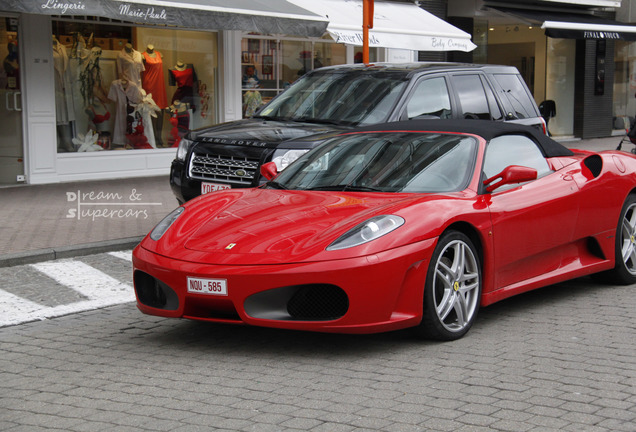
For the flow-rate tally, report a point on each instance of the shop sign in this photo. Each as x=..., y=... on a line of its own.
x=354, y=38
x=127, y=10
x=62, y=7
x=601, y=35
x=450, y=44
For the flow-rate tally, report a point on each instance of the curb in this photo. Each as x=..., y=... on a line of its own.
x=48, y=254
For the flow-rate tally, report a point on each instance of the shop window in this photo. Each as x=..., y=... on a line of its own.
x=624, y=89
x=357, y=54
x=123, y=88
x=269, y=66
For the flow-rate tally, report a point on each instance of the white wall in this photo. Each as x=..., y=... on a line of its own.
x=38, y=99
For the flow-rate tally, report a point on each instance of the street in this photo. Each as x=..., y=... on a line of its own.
x=560, y=358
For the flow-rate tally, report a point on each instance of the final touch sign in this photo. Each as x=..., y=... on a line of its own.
x=608, y=30
x=601, y=35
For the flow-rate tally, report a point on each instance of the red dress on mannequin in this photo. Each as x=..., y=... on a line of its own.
x=185, y=81
x=153, y=80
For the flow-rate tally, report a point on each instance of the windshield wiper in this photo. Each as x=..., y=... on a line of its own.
x=275, y=185
x=271, y=118
x=344, y=187
x=318, y=121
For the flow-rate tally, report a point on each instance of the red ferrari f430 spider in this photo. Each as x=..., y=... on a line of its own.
x=409, y=224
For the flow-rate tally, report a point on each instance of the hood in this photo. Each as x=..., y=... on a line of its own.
x=252, y=131
x=267, y=226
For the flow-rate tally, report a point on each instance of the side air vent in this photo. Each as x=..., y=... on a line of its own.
x=595, y=164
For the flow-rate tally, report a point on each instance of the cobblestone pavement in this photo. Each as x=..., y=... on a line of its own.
x=561, y=358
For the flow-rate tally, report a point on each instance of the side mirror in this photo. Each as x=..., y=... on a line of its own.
x=510, y=175
x=269, y=170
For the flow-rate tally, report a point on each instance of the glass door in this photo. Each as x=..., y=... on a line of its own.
x=11, y=147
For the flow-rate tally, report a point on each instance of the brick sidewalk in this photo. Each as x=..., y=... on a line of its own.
x=66, y=216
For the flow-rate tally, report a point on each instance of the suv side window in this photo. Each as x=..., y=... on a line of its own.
x=515, y=93
x=495, y=110
x=430, y=98
x=472, y=97
x=507, y=150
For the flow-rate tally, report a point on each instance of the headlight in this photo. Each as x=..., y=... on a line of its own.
x=163, y=226
x=367, y=231
x=283, y=157
x=182, y=150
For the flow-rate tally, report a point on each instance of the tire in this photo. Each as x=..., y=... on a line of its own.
x=453, y=288
x=624, y=272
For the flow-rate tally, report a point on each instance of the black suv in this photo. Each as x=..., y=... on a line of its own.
x=332, y=99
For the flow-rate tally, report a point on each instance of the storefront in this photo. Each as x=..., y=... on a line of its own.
x=270, y=64
x=98, y=89
x=565, y=52
x=104, y=89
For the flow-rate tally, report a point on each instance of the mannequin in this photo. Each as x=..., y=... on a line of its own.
x=64, y=106
x=184, y=77
x=147, y=109
x=180, y=113
x=252, y=99
x=153, y=82
x=130, y=64
x=125, y=94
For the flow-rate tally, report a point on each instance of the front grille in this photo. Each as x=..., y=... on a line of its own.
x=318, y=302
x=226, y=169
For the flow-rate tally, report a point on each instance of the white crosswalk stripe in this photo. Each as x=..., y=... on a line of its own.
x=125, y=255
x=13, y=309
x=100, y=290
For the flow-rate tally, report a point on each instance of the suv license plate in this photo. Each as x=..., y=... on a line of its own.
x=207, y=286
x=211, y=187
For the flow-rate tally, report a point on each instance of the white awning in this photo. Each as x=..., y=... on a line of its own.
x=395, y=25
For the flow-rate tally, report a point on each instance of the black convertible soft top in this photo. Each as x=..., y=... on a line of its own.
x=486, y=129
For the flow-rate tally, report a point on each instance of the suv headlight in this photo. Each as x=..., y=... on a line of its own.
x=182, y=150
x=367, y=231
x=283, y=157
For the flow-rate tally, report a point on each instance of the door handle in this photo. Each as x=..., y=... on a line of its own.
x=16, y=96
x=6, y=101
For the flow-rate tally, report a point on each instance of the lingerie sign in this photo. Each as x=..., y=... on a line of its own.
x=62, y=7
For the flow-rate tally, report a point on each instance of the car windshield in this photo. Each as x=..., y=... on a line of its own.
x=385, y=162
x=333, y=97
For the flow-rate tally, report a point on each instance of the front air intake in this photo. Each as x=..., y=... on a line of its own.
x=153, y=293
x=311, y=302
x=319, y=302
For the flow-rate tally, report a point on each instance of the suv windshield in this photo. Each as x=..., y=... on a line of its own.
x=339, y=97
x=384, y=162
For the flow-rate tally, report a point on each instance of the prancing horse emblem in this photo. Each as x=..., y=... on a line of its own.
x=230, y=246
